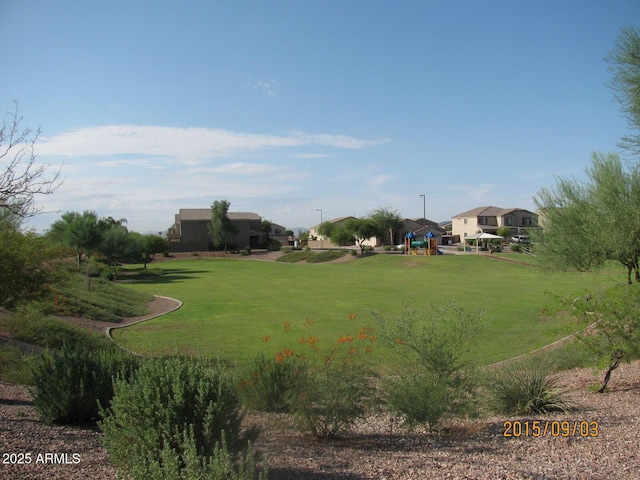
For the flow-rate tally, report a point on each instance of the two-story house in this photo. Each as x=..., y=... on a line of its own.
x=190, y=232
x=489, y=219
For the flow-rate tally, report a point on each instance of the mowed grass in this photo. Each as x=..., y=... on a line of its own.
x=230, y=306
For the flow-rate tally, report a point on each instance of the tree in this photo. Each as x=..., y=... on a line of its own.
x=504, y=232
x=29, y=265
x=80, y=231
x=221, y=229
x=612, y=321
x=624, y=65
x=144, y=248
x=115, y=245
x=361, y=229
x=387, y=221
x=22, y=178
x=341, y=236
x=586, y=224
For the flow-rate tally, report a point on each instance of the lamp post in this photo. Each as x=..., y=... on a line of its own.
x=320, y=210
x=424, y=213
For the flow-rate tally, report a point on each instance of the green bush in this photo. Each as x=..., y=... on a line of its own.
x=296, y=256
x=172, y=408
x=516, y=247
x=333, y=392
x=524, y=390
x=31, y=324
x=265, y=384
x=438, y=377
x=68, y=384
x=326, y=256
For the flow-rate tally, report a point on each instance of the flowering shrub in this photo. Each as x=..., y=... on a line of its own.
x=325, y=389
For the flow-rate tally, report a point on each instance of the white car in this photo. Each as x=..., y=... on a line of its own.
x=520, y=239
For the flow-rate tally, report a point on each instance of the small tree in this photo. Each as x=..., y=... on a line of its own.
x=79, y=231
x=388, y=221
x=504, y=232
x=613, y=326
x=361, y=229
x=221, y=229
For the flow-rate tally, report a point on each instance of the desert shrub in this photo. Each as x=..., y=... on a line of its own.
x=274, y=246
x=32, y=324
x=15, y=365
x=333, y=392
x=516, y=247
x=525, y=390
x=266, y=383
x=296, y=256
x=437, y=375
x=326, y=256
x=185, y=463
x=174, y=408
x=68, y=384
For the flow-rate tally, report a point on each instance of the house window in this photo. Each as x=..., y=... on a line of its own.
x=508, y=221
x=482, y=220
x=526, y=221
x=465, y=221
x=278, y=231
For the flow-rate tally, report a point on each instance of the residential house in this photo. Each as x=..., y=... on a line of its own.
x=190, y=232
x=489, y=219
x=320, y=241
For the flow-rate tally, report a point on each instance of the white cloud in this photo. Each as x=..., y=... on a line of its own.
x=379, y=180
x=188, y=146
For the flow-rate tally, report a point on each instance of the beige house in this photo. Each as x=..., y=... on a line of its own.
x=320, y=241
x=489, y=219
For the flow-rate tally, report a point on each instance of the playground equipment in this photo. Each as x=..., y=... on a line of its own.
x=430, y=244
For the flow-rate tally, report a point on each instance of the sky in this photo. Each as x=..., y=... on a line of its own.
x=299, y=109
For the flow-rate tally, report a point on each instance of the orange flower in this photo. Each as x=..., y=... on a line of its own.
x=351, y=316
x=266, y=338
x=302, y=341
x=287, y=326
x=346, y=339
x=313, y=340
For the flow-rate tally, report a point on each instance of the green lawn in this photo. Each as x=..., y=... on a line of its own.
x=230, y=305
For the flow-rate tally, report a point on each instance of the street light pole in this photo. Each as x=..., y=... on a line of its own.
x=424, y=213
x=320, y=210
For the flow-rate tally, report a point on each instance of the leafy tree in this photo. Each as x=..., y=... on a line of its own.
x=326, y=229
x=612, y=321
x=221, y=229
x=504, y=232
x=115, y=245
x=387, y=221
x=79, y=231
x=29, y=264
x=585, y=224
x=22, y=179
x=624, y=65
x=151, y=246
x=361, y=229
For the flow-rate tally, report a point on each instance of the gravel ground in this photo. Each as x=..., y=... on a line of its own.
x=378, y=449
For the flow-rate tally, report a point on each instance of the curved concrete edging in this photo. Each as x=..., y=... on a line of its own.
x=108, y=330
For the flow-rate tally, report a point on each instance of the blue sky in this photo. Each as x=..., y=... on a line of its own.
x=286, y=107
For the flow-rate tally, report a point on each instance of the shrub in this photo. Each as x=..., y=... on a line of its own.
x=333, y=392
x=31, y=324
x=331, y=396
x=266, y=383
x=516, y=247
x=525, y=391
x=172, y=408
x=68, y=384
x=438, y=377
x=326, y=256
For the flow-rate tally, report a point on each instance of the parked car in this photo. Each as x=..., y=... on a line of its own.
x=520, y=239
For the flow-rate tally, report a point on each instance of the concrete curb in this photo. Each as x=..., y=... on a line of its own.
x=108, y=330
